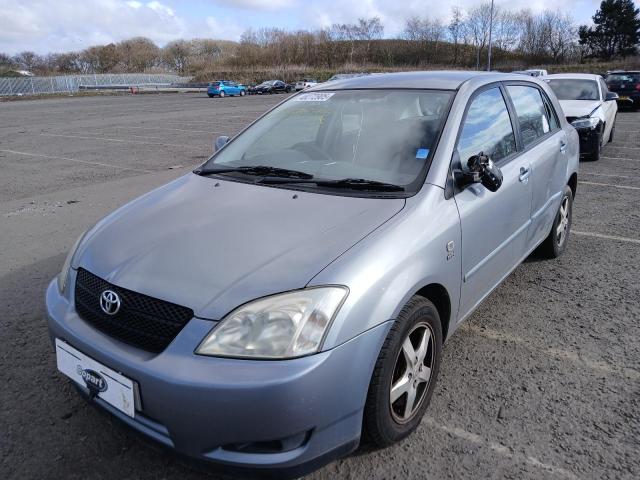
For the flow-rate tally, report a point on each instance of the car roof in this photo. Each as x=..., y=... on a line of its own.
x=438, y=80
x=575, y=76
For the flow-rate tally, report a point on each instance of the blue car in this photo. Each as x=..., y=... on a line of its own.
x=223, y=88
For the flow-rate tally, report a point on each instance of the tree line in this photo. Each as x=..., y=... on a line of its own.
x=519, y=38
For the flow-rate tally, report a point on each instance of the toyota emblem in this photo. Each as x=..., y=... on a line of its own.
x=109, y=302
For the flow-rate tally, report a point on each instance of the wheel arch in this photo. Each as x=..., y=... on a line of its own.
x=573, y=183
x=438, y=295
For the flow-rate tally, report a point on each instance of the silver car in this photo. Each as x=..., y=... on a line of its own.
x=295, y=290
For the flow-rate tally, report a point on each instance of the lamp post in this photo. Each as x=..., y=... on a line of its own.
x=490, y=35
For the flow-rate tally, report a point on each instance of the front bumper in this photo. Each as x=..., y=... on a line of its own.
x=589, y=140
x=204, y=407
x=629, y=99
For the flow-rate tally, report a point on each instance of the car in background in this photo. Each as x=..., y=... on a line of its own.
x=292, y=295
x=589, y=107
x=627, y=85
x=305, y=83
x=344, y=76
x=223, y=88
x=532, y=72
x=536, y=72
x=273, y=86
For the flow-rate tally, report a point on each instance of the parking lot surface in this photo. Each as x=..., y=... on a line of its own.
x=542, y=382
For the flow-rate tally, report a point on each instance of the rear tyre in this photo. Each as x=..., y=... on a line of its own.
x=210, y=95
x=222, y=94
x=556, y=242
x=405, y=374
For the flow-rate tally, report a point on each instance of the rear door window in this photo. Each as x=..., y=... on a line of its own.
x=531, y=111
x=487, y=128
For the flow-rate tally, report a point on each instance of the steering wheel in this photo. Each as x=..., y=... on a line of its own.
x=311, y=150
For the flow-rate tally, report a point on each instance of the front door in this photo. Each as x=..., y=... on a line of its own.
x=494, y=224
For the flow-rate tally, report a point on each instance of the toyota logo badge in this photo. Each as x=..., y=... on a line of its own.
x=109, y=302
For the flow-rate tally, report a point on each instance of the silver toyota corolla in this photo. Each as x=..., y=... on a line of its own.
x=295, y=290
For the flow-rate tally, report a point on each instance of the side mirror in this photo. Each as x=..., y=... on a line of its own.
x=481, y=169
x=611, y=96
x=220, y=142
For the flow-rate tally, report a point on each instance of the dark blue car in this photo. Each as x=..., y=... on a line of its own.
x=223, y=88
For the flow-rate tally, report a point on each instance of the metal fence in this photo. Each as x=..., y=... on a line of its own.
x=72, y=83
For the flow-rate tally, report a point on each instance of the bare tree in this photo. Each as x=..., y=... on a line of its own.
x=562, y=35
x=456, y=30
x=176, y=55
x=477, y=25
x=138, y=54
x=28, y=60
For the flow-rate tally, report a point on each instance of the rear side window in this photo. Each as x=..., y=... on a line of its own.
x=554, y=123
x=531, y=112
x=603, y=88
x=487, y=128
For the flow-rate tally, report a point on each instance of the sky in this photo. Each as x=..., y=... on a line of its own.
x=61, y=25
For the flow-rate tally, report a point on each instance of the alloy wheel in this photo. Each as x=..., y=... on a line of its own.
x=563, y=225
x=412, y=373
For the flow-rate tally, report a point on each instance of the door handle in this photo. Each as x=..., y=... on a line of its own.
x=524, y=174
x=563, y=146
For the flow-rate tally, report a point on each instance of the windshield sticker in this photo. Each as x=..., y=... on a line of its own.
x=314, y=97
x=422, y=153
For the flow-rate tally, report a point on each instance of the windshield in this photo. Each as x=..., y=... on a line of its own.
x=575, y=89
x=268, y=83
x=623, y=77
x=377, y=135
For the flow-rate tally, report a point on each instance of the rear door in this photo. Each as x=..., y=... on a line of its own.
x=543, y=147
x=494, y=224
x=610, y=109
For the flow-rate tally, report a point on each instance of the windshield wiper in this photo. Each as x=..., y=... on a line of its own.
x=259, y=170
x=361, y=184
x=349, y=183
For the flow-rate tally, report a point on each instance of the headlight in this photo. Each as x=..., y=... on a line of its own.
x=590, y=122
x=64, y=273
x=281, y=326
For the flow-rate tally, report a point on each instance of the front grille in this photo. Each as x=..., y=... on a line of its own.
x=142, y=321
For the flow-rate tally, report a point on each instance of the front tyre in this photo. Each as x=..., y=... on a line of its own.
x=242, y=93
x=556, y=241
x=405, y=373
x=596, y=149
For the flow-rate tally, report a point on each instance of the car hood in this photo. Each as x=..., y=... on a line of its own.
x=212, y=244
x=578, y=108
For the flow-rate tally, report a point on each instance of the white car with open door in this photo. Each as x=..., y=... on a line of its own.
x=589, y=106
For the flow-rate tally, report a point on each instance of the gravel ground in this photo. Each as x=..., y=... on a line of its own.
x=542, y=382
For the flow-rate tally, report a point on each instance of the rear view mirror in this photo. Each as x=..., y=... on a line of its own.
x=220, y=142
x=481, y=169
x=611, y=96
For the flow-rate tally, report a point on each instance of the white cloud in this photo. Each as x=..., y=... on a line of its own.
x=37, y=25
x=64, y=25
x=256, y=4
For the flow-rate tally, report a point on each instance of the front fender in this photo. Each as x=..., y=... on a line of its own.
x=390, y=265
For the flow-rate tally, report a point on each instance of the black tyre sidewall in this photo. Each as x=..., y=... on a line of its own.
x=379, y=425
x=597, y=146
x=559, y=249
